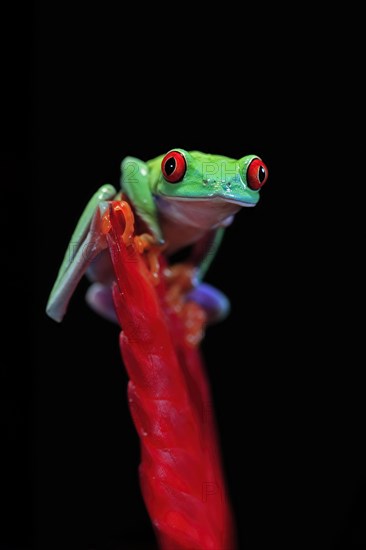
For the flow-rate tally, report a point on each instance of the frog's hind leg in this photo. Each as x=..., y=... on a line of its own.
x=215, y=304
x=99, y=298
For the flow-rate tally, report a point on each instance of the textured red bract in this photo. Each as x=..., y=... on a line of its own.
x=181, y=475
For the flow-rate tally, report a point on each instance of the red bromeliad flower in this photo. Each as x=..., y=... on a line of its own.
x=181, y=474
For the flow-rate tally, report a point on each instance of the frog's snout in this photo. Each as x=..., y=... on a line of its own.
x=231, y=189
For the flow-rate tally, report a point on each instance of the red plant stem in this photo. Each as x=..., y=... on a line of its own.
x=181, y=475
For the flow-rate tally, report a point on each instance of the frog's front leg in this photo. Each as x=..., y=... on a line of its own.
x=212, y=300
x=187, y=278
x=135, y=183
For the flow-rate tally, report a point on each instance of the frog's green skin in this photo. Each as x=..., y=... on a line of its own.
x=192, y=212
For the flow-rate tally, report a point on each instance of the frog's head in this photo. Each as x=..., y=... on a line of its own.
x=193, y=175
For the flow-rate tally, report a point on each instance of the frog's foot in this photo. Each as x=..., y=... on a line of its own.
x=180, y=278
x=184, y=288
x=100, y=299
x=215, y=304
x=147, y=245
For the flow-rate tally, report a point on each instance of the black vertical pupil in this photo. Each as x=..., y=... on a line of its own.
x=170, y=166
x=261, y=174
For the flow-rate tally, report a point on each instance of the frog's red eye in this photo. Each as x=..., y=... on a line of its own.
x=173, y=166
x=257, y=174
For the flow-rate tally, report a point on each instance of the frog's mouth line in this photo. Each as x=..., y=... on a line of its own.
x=215, y=198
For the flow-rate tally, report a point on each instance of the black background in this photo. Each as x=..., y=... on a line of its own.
x=86, y=86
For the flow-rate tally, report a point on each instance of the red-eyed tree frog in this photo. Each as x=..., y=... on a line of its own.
x=184, y=200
